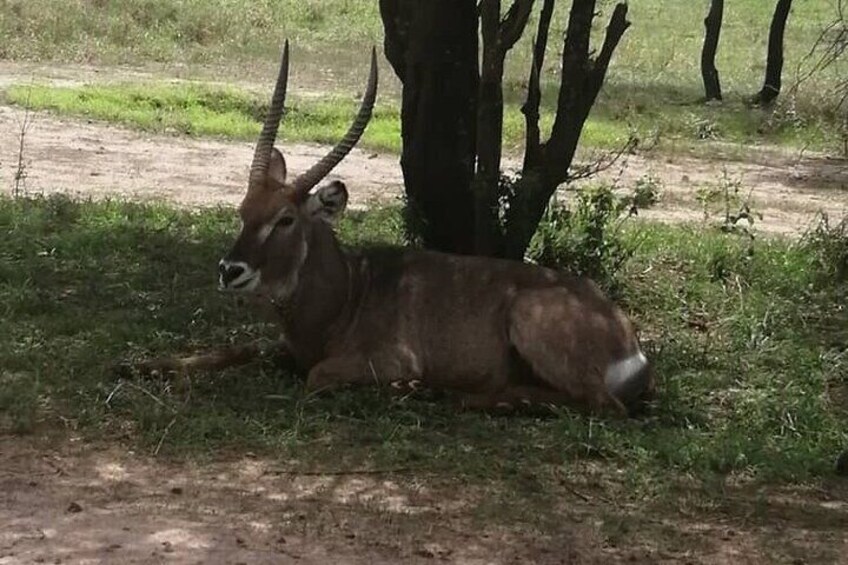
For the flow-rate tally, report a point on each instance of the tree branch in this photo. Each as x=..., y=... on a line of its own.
x=530, y=109
x=615, y=31
x=513, y=24
x=582, y=79
x=580, y=83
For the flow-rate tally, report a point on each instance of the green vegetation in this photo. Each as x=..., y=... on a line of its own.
x=199, y=31
x=652, y=90
x=197, y=110
x=744, y=335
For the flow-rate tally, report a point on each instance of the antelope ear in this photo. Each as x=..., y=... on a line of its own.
x=277, y=167
x=328, y=202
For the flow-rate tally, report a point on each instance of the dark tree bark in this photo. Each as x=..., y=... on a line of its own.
x=530, y=109
x=433, y=47
x=498, y=38
x=452, y=115
x=580, y=83
x=774, y=61
x=712, y=30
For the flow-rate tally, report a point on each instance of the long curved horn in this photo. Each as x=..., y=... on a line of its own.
x=262, y=154
x=322, y=168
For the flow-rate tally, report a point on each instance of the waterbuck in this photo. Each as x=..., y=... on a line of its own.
x=495, y=332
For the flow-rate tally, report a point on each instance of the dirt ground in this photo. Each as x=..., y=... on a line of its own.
x=93, y=159
x=70, y=502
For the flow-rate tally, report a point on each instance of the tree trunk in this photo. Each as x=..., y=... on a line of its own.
x=709, y=72
x=452, y=116
x=489, y=132
x=432, y=46
x=774, y=61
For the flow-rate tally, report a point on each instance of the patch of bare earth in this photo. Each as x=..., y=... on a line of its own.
x=89, y=159
x=69, y=502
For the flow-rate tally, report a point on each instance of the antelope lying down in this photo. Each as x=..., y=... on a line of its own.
x=497, y=332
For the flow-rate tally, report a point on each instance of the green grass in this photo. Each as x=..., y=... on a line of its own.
x=652, y=87
x=203, y=110
x=198, y=110
x=199, y=31
x=746, y=343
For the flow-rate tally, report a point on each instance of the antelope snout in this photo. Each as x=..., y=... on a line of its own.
x=236, y=275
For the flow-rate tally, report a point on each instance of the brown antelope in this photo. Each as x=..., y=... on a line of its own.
x=499, y=333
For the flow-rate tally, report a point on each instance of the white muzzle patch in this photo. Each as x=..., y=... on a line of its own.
x=237, y=276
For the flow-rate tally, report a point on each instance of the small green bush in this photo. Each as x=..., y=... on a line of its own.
x=585, y=239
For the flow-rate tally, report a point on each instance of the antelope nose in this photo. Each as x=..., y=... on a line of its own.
x=229, y=272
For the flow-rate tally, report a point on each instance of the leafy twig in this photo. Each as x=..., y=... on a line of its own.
x=20, y=171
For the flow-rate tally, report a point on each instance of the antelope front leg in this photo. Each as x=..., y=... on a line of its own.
x=213, y=360
x=357, y=370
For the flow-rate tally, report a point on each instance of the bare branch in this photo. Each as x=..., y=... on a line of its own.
x=20, y=170
x=603, y=162
x=513, y=24
x=530, y=109
x=582, y=79
x=580, y=83
x=615, y=31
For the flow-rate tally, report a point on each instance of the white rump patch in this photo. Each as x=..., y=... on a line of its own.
x=621, y=374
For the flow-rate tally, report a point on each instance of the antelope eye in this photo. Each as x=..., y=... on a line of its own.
x=285, y=221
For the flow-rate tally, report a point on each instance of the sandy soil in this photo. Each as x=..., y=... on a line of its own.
x=76, y=503
x=93, y=159
x=83, y=504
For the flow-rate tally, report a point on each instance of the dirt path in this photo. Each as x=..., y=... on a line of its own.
x=77, y=504
x=68, y=502
x=93, y=159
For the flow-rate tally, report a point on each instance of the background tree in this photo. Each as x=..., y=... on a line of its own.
x=452, y=116
x=712, y=31
x=774, y=60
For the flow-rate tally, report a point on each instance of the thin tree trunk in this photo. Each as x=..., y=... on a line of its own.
x=432, y=46
x=489, y=131
x=499, y=35
x=774, y=61
x=709, y=72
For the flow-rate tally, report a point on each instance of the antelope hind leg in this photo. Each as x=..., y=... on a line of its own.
x=538, y=328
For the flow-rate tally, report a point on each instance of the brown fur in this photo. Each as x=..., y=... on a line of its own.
x=496, y=332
